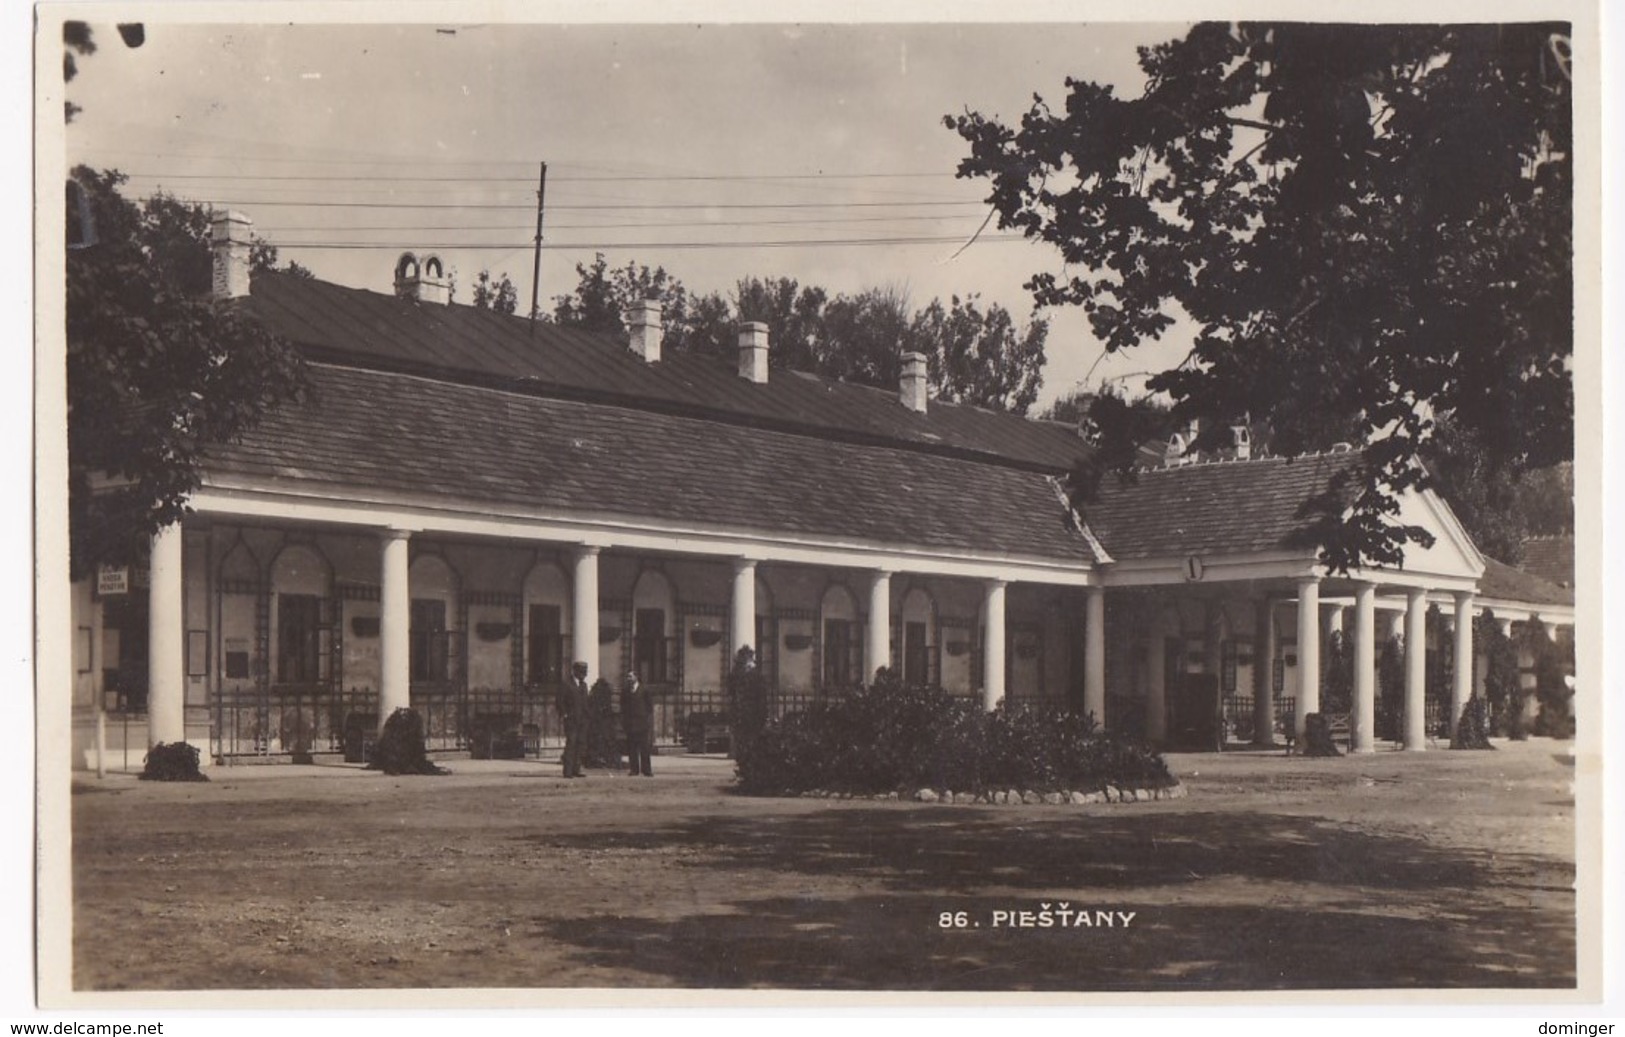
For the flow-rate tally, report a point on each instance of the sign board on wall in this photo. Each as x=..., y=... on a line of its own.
x=113, y=579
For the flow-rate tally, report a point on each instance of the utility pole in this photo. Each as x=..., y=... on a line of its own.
x=536, y=266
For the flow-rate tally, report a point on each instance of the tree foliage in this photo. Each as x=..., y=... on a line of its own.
x=158, y=370
x=1367, y=225
x=974, y=354
x=602, y=296
x=499, y=295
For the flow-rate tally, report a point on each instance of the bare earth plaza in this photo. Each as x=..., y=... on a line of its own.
x=1256, y=671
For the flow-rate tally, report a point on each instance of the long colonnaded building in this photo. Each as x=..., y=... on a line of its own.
x=463, y=503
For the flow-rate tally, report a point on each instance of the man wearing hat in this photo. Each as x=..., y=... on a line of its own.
x=573, y=708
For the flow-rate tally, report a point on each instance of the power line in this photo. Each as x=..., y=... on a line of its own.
x=396, y=228
x=720, y=177
x=586, y=246
x=617, y=207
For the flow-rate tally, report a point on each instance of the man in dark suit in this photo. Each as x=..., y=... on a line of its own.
x=573, y=709
x=638, y=720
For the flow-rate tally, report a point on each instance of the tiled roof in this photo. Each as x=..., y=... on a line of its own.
x=1219, y=508
x=460, y=342
x=1550, y=557
x=384, y=431
x=1501, y=582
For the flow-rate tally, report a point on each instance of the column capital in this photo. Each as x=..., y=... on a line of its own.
x=393, y=533
x=588, y=550
x=744, y=563
x=1308, y=581
x=1464, y=598
x=995, y=583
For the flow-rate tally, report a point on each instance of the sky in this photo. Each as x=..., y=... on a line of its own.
x=715, y=151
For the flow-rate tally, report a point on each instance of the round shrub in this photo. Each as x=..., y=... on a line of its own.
x=399, y=749
x=172, y=761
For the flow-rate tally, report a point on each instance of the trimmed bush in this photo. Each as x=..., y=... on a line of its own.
x=1317, y=736
x=1556, y=716
x=890, y=738
x=604, y=737
x=1473, y=729
x=399, y=750
x=172, y=761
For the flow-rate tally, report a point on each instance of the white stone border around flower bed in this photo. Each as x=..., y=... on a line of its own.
x=1016, y=796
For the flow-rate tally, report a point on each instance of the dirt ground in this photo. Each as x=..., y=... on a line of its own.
x=1440, y=869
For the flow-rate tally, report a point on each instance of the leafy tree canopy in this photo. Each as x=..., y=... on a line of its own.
x=499, y=295
x=975, y=354
x=1368, y=226
x=158, y=370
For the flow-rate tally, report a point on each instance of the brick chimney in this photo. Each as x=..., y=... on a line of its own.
x=232, y=235
x=1242, y=439
x=911, y=385
x=753, y=351
x=422, y=281
x=643, y=321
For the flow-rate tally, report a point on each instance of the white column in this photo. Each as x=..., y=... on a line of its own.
x=1364, y=722
x=993, y=645
x=395, y=626
x=877, y=637
x=166, y=641
x=1264, y=651
x=584, y=612
x=742, y=630
x=1094, y=653
x=1156, y=669
x=1461, y=681
x=1308, y=653
x=1416, y=647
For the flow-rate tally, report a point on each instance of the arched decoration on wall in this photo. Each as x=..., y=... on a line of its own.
x=301, y=616
x=301, y=569
x=239, y=568
x=432, y=268
x=918, y=645
x=547, y=622
x=654, y=639
x=238, y=614
x=436, y=649
x=433, y=577
x=406, y=268
x=840, y=638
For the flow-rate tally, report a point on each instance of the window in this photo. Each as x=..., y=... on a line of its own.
x=649, y=646
x=429, y=640
x=838, y=642
x=546, y=659
x=299, y=620
x=916, y=655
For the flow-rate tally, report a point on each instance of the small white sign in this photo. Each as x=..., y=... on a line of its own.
x=113, y=579
x=1194, y=569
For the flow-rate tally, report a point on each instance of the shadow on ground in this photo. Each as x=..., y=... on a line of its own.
x=1230, y=901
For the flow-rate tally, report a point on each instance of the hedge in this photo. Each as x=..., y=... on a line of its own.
x=891, y=738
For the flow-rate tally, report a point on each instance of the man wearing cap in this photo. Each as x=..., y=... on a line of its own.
x=638, y=720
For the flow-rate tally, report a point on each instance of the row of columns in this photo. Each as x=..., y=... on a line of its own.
x=166, y=631
x=1363, y=720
